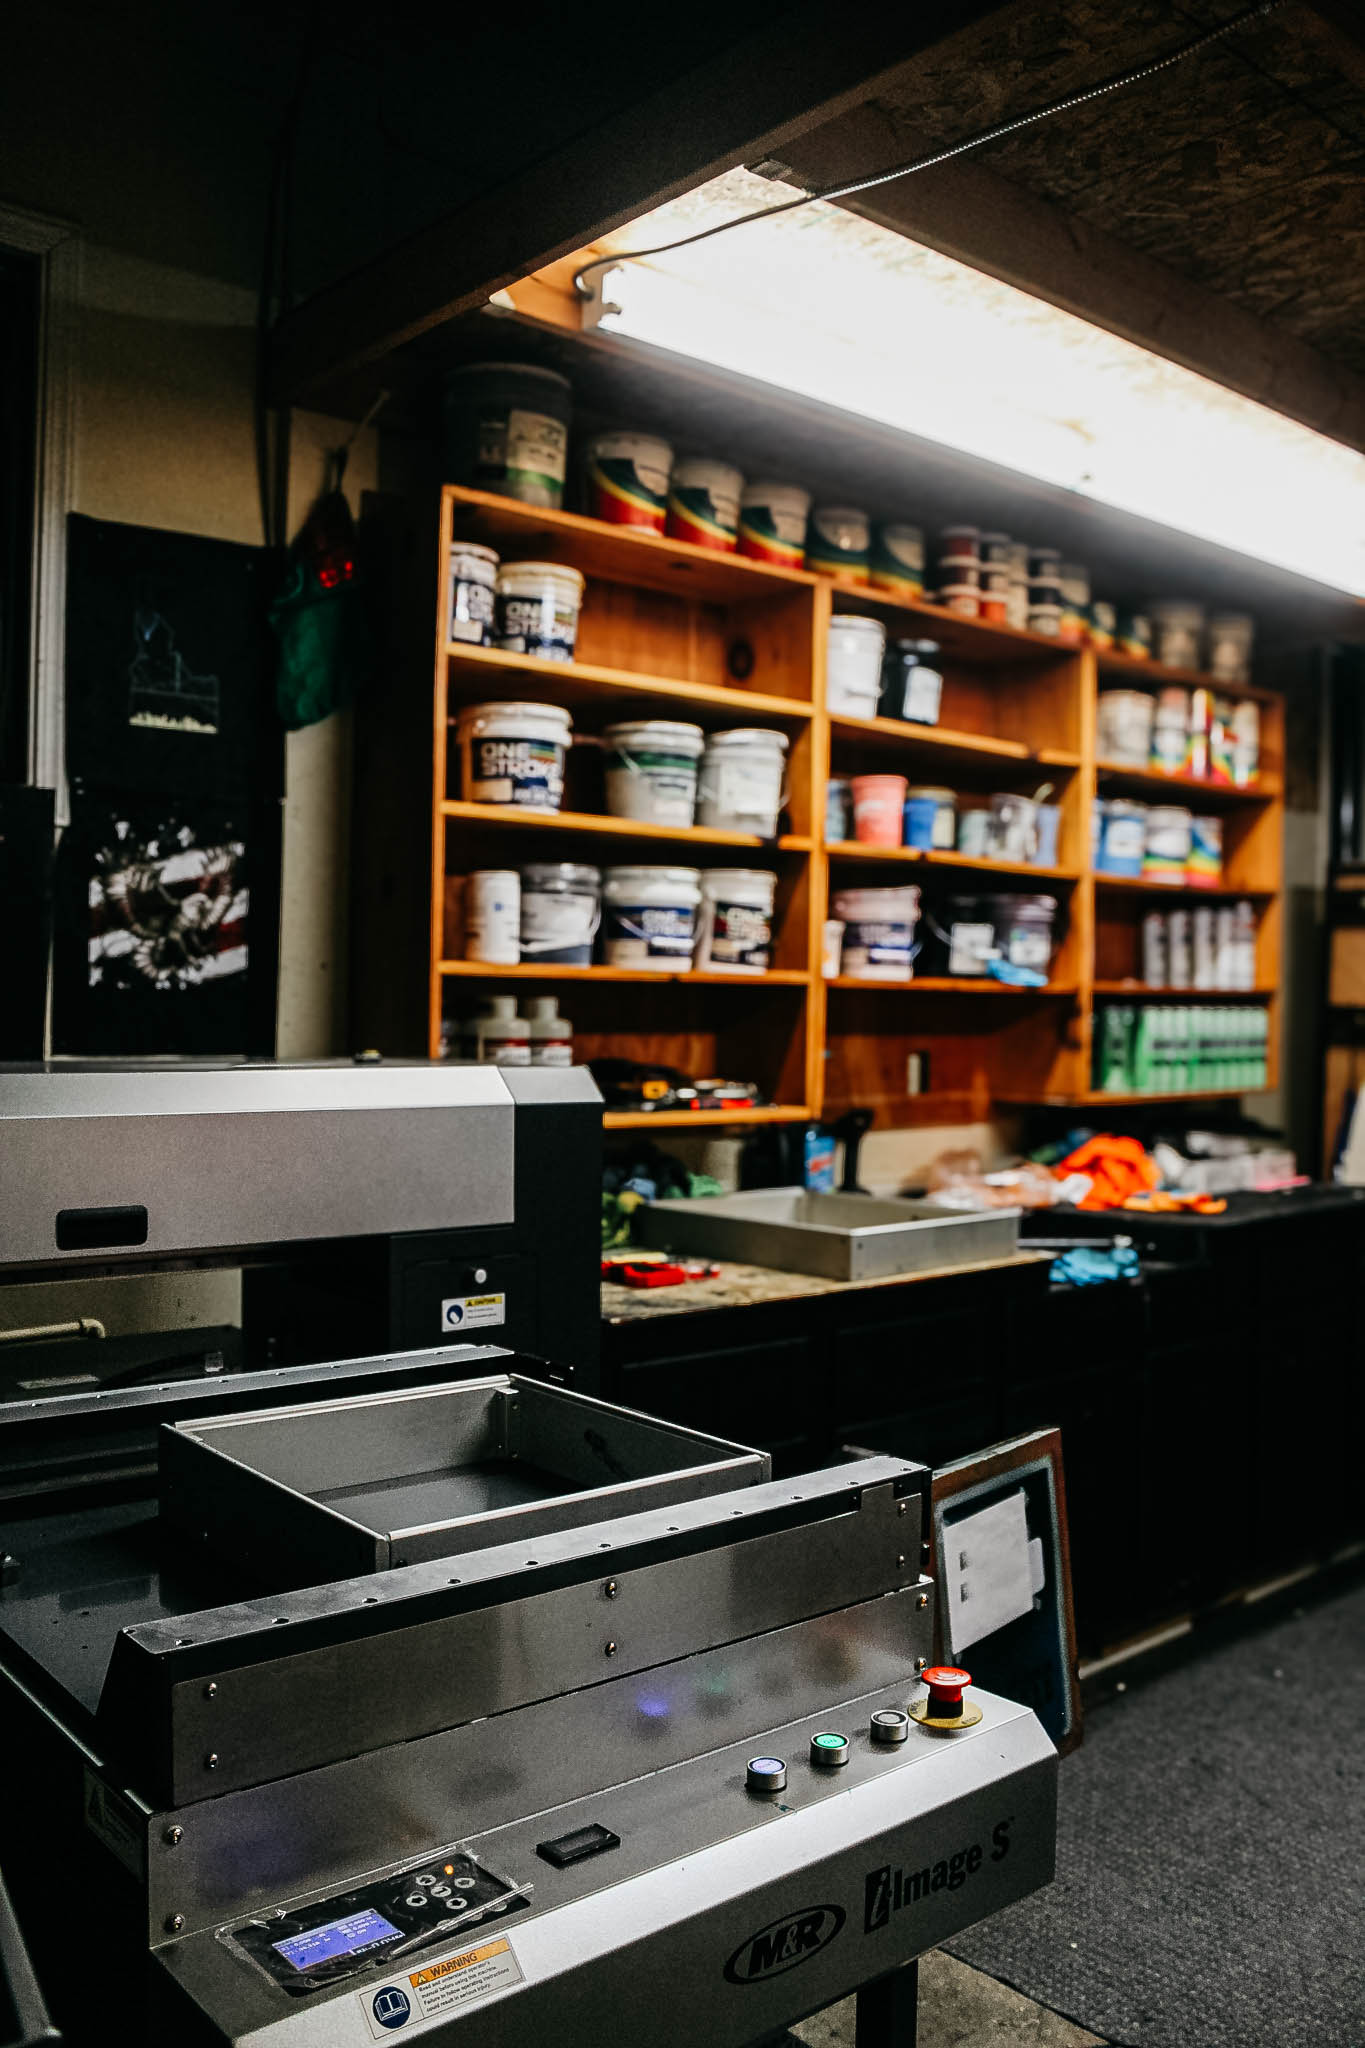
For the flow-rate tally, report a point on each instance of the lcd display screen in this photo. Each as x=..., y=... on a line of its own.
x=335, y=1938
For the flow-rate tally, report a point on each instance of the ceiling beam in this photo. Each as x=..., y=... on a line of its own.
x=1338, y=29
x=738, y=104
x=968, y=211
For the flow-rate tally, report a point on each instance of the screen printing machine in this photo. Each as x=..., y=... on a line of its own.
x=420, y=1692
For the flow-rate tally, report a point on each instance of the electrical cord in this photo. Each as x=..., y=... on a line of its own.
x=940, y=156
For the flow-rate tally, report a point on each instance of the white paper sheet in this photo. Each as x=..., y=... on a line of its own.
x=988, y=1571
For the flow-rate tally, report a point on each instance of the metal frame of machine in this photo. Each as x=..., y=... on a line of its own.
x=287, y=1754
x=420, y=1692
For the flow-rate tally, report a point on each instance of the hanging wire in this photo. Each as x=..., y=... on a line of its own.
x=941, y=156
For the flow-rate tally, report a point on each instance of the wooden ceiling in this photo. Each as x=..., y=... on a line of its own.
x=1238, y=171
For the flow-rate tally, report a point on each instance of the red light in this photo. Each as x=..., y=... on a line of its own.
x=335, y=569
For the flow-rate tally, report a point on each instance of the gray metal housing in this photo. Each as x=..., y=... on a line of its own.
x=840, y=1237
x=328, y=1489
x=231, y=1155
x=258, y=1754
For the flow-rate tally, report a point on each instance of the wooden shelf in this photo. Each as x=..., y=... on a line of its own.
x=618, y=554
x=923, y=856
x=1158, y=676
x=702, y=1119
x=948, y=985
x=663, y=628
x=514, y=816
x=970, y=748
x=1138, y=885
x=1138, y=992
x=580, y=682
x=1212, y=795
x=691, y=977
x=962, y=640
x=1117, y=1098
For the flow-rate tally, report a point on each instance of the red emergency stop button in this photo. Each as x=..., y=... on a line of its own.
x=946, y=1684
x=944, y=1708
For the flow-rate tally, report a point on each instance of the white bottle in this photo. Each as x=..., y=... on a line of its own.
x=501, y=1037
x=492, y=914
x=551, y=1034
x=1244, y=946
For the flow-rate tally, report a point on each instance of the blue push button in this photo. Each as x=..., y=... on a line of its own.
x=766, y=1774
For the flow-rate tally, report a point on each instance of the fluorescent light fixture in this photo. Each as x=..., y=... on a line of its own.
x=837, y=309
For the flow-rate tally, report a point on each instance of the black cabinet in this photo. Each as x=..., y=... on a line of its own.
x=1212, y=1412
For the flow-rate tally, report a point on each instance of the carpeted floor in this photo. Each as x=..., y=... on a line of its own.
x=1210, y=1887
x=958, y=2008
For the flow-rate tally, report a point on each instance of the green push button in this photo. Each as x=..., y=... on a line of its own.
x=828, y=1750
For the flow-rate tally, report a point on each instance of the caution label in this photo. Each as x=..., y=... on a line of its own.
x=416, y=1996
x=473, y=1311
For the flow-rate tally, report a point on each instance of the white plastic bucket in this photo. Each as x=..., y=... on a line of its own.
x=514, y=754
x=735, y=934
x=1123, y=837
x=703, y=503
x=1124, y=720
x=1167, y=853
x=838, y=539
x=879, y=932
x=628, y=479
x=853, y=666
x=493, y=917
x=740, y=786
x=560, y=912
x=652, y=770
x=772, y=523
x=896, y=561
x=473, y=579
x=1246, y=742
x=649, y=917
x=538, y=607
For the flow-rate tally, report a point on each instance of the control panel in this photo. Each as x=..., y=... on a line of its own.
x=387, y=1918
x=306, y=1948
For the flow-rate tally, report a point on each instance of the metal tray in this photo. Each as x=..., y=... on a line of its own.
x=295, y=1496
x=840, y=1237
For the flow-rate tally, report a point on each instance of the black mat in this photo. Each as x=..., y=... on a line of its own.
x=1211, y=1862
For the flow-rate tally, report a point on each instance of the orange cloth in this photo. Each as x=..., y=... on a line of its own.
x=1119, y=1167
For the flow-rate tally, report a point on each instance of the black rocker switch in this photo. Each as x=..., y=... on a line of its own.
x=583, y=1842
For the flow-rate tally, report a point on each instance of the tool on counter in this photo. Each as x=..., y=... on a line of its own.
x=652, y=1269
x=642, y=1085
x=852, y=1127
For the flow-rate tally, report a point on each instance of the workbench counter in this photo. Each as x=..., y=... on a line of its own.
x=739, y=1286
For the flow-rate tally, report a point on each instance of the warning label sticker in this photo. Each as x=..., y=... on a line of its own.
x=473, y=1311
x=438, y=1987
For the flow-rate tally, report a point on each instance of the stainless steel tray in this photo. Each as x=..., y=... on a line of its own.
x=296, y=1496
x=840, y=1237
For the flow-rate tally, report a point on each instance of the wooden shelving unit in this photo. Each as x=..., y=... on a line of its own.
x=676, y=631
